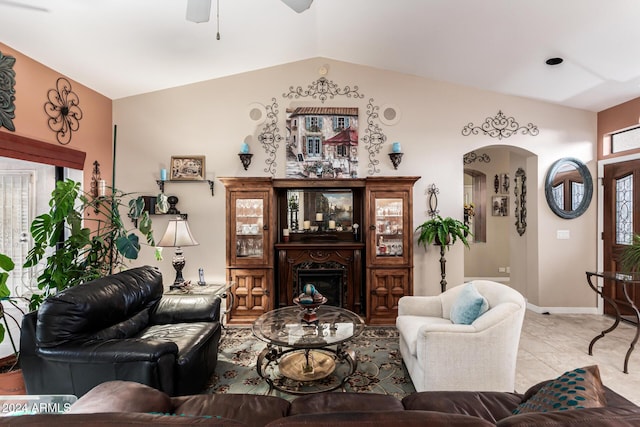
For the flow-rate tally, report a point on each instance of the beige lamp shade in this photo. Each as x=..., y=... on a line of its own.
x=178, y=234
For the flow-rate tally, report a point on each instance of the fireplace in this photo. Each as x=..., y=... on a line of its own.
x=335, y=269
x=328, y=278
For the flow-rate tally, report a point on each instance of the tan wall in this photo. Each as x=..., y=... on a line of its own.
x=211, y=118
x=614, y=119
x=94, y=136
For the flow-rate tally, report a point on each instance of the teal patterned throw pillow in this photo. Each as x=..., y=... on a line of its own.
x=468, y=306
x=577, y=389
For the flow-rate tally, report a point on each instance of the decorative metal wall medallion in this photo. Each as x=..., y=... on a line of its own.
x=63, y=111
x=500, y=127
x=270, y=136
x=322, y=89
x=373, y=138
x=7, y=91
x=472, y=157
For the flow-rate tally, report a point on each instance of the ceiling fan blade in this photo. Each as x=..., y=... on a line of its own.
x=22, y=5
x=198, y=10
x=298, y=5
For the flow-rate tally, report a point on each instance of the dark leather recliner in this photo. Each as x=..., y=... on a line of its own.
x=121, y=327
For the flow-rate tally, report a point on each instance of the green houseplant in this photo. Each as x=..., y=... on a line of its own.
x=442, y=232
x=11, y=379
x=84, y=237
x=630, y=258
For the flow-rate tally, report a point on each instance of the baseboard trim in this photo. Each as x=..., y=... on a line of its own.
x=500, y=279
x=562, y=310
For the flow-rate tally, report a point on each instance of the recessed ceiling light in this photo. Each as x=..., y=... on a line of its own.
x=554, y=61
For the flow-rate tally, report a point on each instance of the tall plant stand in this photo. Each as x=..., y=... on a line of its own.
x=443, y=274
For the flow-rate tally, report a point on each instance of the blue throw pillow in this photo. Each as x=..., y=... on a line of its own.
x=468, y=306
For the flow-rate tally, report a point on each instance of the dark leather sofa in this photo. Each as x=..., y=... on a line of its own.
x=120, y=403
x=121, y=327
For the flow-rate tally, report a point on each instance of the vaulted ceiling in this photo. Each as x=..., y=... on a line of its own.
x=127, y=47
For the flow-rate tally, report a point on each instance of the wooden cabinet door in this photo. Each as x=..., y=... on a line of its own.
x=389, y=233
x=251, y=294
x=386, y=287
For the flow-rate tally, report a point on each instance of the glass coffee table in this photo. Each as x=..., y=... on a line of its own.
x=303, y=357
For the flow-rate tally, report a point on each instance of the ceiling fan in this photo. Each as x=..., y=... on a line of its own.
x=22, y=5
x=200, y=10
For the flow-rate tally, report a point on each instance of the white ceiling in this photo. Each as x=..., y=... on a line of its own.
x=127, y=47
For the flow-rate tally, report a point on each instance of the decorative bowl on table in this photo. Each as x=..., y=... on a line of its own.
x=309, y=308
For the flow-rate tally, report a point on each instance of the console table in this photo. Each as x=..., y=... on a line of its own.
x=626, y=281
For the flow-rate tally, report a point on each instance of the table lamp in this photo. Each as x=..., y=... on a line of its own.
x=177, y=236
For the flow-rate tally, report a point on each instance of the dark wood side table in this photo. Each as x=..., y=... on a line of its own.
x=221, y=289
x=626, y=281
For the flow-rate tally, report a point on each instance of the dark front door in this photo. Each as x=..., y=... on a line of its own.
x=621, y=222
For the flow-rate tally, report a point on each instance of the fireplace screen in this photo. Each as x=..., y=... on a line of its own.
x=330, y=282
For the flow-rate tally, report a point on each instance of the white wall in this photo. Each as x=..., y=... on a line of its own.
x=211, y=118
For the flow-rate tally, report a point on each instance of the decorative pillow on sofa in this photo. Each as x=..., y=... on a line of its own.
x=577, y=389
x=468, y=306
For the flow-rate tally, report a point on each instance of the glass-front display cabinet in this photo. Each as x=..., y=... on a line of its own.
x=389, y=227
x=249, y=219
x=249, y=226
x=389, y=240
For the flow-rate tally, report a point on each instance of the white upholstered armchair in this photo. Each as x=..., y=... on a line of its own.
x=442, y=355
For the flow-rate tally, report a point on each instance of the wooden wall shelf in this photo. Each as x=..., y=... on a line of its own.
x=161, y=183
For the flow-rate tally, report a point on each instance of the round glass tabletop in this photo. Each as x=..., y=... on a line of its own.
x=286, y=327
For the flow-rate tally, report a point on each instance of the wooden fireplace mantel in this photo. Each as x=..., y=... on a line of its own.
x=347, y=254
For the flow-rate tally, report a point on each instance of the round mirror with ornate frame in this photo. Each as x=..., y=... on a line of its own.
x=568, y=188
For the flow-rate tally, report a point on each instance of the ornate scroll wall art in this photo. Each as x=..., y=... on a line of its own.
x=7, y=91
x=270, y=137
x=500, y=127
x=322, y=89
x=63, y=110
x=472, y=157
x=520, y=191
x=433, y=191
x=373, y=138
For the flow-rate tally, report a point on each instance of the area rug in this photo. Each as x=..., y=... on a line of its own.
x=380, y=368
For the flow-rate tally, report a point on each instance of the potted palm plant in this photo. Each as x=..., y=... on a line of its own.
x=442, y=232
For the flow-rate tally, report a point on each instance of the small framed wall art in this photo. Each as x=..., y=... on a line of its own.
x=187, y=168
x=500, y=205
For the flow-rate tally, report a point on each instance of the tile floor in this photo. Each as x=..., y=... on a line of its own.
x=553, y=344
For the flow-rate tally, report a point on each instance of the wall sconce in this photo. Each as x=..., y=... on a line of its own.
x=396, y=154
x=396, y=158
x=245, y=158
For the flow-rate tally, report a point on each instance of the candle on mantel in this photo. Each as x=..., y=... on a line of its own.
x=332, y=224
x=319, y=216
x=306, y=225
x=285, y=232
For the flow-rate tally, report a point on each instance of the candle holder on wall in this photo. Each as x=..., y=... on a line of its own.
x=396, y=158
x=245, y=158
x=95, y=178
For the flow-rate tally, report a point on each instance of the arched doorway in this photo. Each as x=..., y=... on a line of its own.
x=501, y=252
